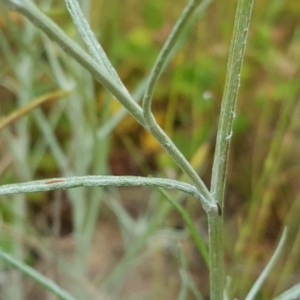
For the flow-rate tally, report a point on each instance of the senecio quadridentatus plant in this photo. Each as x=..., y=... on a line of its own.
x=100, y=67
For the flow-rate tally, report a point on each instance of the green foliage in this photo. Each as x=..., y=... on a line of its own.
x=60, y=139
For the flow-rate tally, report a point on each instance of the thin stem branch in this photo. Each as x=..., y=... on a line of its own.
x=182, y=162
x=150, y=121
x=90, y=40
x=46, y=185
x=163, y=58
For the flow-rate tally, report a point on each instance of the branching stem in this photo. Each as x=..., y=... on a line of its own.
x=28, y=9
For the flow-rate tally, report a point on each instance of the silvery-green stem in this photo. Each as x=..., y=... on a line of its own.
x=163, y=57
x=232, y=84
x=51, y=184
x=90, y=40
x=173, y=151
x=151, y=124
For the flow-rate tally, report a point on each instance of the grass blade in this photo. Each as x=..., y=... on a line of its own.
x=290, y=294
x=260, y=280
x=36, y=276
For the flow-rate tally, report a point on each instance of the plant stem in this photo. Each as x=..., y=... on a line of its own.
x=163, y=58
x=46, y=185
x=150, y=121
x=29, y=10
x=90, y=40
x=173, y=151
x=232, y=84
x=216, y=268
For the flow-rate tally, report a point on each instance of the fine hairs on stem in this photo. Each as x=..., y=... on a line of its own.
x=225, y=129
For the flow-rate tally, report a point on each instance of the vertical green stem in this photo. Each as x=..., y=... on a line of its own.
x=232, y=84
x=216, y=268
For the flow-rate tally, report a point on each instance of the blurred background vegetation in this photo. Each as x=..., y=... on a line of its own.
x=127, y=242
